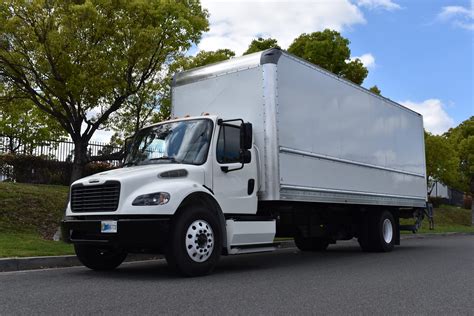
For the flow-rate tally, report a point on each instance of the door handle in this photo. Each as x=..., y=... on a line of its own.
x=250, y=186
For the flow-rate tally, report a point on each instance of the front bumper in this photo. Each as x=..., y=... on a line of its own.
x=133, y=234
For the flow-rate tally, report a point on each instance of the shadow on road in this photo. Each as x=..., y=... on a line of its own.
x=282, y=261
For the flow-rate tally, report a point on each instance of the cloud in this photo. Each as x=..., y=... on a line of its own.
x=435, y=118
x=379, y=4
x=458, y=16
x=234, y=24
x=367, y=59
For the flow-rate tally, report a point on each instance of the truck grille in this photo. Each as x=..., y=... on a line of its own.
x=95, y=198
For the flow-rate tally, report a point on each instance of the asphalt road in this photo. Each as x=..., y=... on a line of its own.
x=423, y=276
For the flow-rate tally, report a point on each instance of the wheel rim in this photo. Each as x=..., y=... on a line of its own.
x=387, y=230
x=199, y=241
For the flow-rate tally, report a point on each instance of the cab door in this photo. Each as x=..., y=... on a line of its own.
x=235, y=186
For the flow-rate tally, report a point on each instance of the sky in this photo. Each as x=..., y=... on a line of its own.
x=418, y=52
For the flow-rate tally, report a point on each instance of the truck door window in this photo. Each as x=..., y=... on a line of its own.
x=228, y=144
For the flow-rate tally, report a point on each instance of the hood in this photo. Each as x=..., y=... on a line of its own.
x=142, y=173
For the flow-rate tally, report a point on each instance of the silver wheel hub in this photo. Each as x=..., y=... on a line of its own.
x=199, y=241
x=387, y=230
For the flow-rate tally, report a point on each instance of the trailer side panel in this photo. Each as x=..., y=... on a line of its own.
x=338, y=143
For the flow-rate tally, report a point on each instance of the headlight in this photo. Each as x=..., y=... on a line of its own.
x=157, y=198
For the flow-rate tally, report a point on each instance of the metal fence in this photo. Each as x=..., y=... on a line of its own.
x=62, y=150
x=50, y=150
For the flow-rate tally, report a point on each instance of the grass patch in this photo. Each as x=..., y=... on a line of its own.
x=447, y=219
x=31, y=245
x=31, y=208
x=29, y=217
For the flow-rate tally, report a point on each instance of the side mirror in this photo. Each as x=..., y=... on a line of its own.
x=246, y=136
x=127, y=144
x=245, y=156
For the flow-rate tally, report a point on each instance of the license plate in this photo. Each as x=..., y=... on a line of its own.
x=108, y=227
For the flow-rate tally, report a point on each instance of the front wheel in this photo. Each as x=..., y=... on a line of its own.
x=99, y=258
x=195, y=242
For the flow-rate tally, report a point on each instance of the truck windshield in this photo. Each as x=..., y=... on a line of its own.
x=175, y=142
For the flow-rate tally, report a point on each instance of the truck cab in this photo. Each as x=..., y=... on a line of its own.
x=204, y=169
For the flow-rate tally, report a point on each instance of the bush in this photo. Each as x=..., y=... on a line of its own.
x=40, y=170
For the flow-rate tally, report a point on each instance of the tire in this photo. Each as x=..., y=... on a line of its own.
x=195, y=242
x=381, y=233
x=311, y=244
x=99, y=258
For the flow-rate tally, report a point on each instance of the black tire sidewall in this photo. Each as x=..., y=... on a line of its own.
x=91, y=257
x=177, y=255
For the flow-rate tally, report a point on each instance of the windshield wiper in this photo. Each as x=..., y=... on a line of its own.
x=130, y=163
x=170, y=159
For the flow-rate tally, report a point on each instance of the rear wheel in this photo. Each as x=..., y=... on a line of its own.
x=195, y=242
x=311, y=243
x=99, y=258
x=381, y=231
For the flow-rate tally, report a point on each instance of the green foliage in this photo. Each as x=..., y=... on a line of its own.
x=260, y=44
x=80, y=61
x=329, y=50
x=375, y=90
x=24, y=124
x=441, y=160
x=355, y=71
x=462, y=139
x=204, y=58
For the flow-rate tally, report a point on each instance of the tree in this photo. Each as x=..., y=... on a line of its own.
x=462, y=139
x=441, y=160
x=260, y=44
x=140, y=109
x=329, y=50
x=24, y=125
x=80, y=61
x=375, y=90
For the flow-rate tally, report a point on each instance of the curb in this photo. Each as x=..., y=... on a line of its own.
x=46, y=262
x=34, y=263
x=432, y=235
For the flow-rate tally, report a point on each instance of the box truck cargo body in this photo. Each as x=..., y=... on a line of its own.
x=321, y=138
x=259, y=146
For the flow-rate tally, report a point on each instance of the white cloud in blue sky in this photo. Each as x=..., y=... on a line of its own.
x=234, y=23
x=379, y=4
x=458, y=15
x=435, y=118
x=367, y=59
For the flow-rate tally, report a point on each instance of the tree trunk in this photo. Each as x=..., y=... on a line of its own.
x=80, y=159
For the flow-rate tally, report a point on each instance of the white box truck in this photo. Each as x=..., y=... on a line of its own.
x=261, y=146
